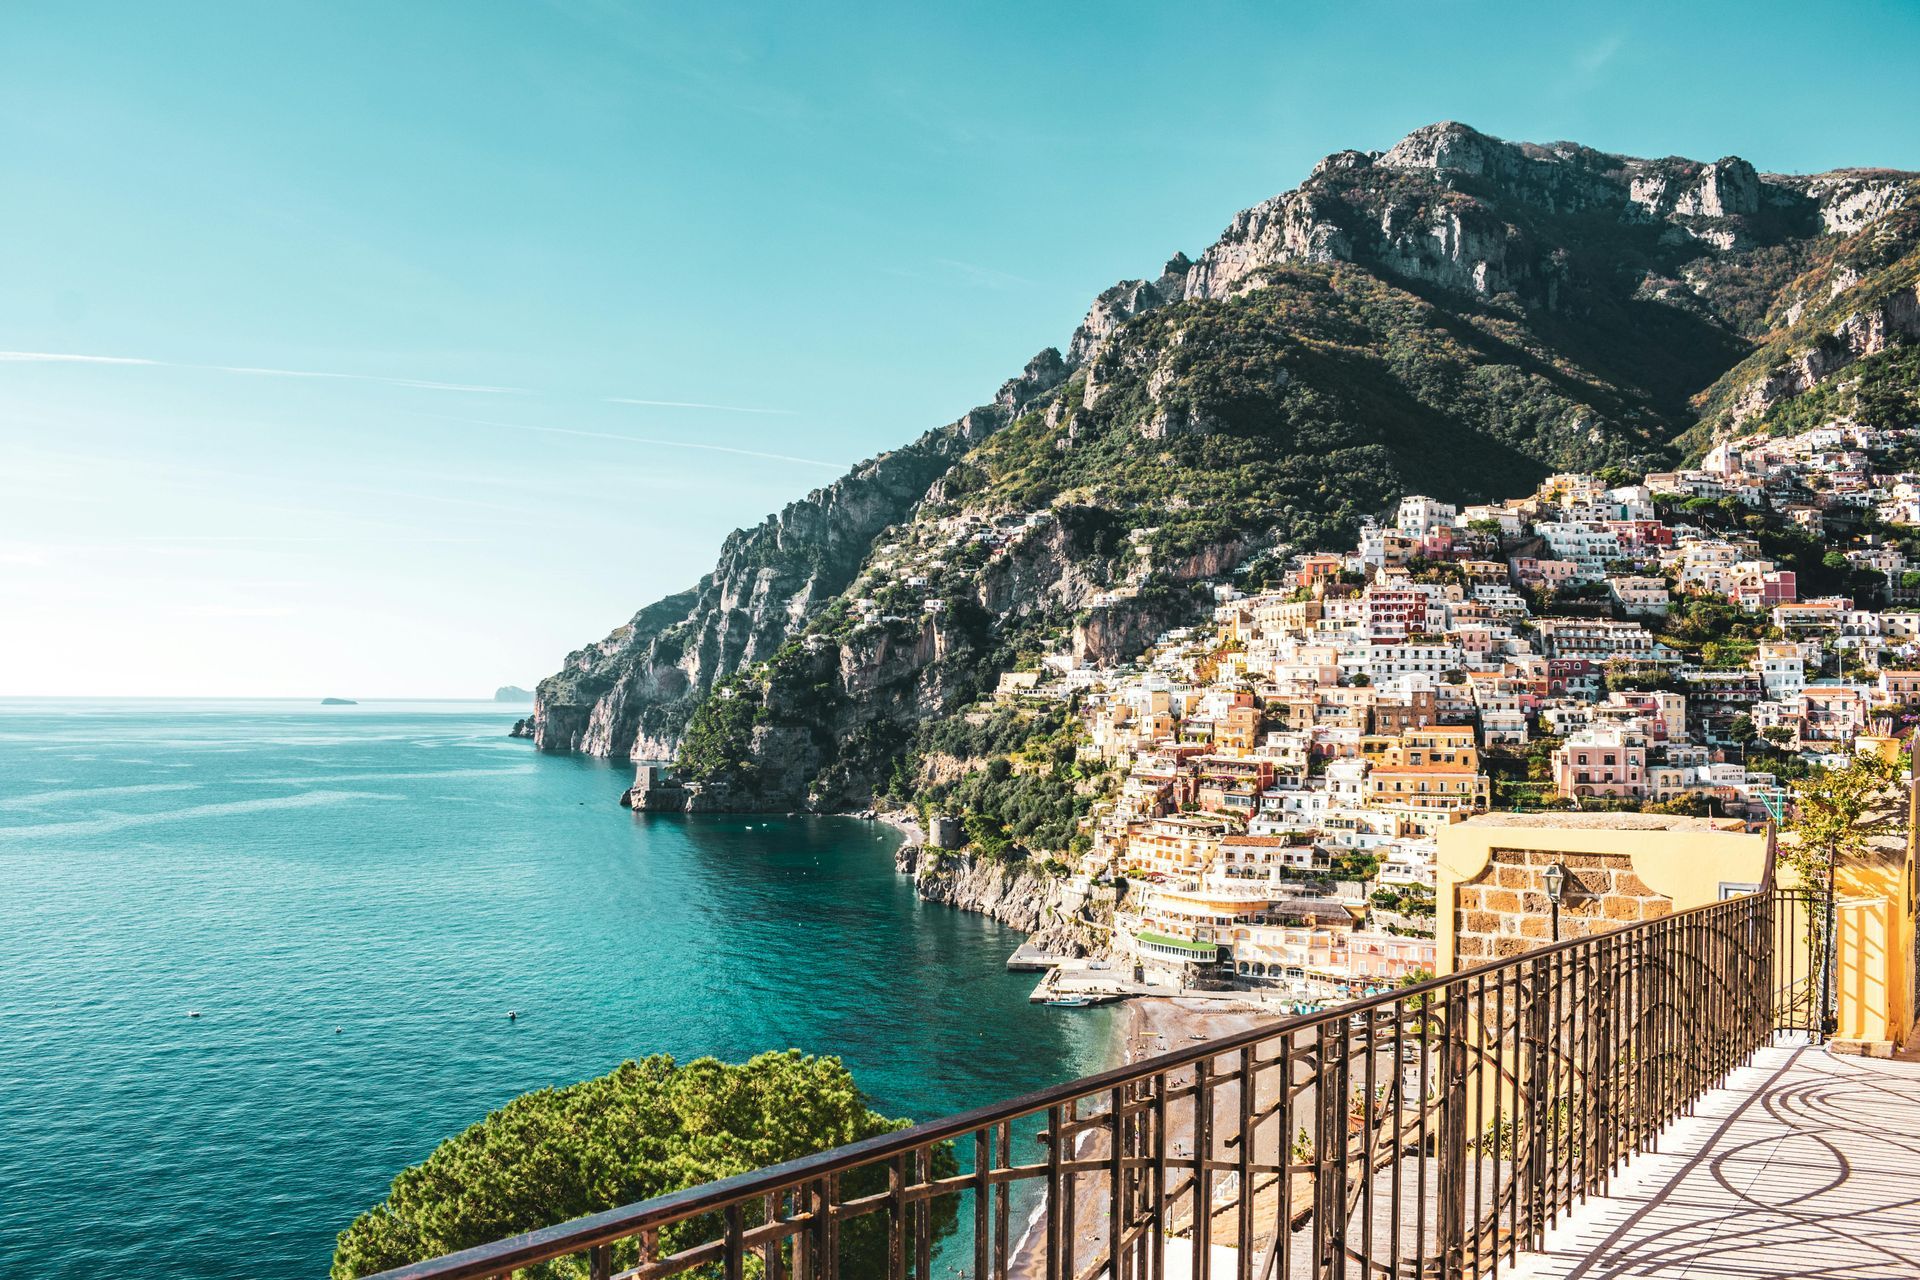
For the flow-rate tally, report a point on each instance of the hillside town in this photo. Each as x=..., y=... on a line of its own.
x=1683, y=644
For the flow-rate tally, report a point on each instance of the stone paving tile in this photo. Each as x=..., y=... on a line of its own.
x=1806, y=1166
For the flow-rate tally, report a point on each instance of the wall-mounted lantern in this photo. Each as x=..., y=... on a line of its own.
x=1556, y=877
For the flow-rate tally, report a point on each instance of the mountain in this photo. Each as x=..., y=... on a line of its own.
x=1457, y=314
x=511, y=693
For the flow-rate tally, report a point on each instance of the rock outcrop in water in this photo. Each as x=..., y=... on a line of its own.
x=1455, y=311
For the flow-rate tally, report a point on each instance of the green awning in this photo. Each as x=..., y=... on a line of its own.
x=1180, y=944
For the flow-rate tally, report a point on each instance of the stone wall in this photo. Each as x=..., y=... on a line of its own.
x=1504, y=911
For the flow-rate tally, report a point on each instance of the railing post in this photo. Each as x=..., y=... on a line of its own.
x=1156, y=1183
x=1539, y=1027
x=922, y=1217
x=1323, y=1145
x=1118, y=1206
x=1829, y=1018
x=1056, y=1190
x=733, y=1265
x=1606, y=1096
x=982, y=1201
x=897, y=1219
x=1202, y=1184
x=1002, y=1199
x=1243, y=1226
x=1450, y=1247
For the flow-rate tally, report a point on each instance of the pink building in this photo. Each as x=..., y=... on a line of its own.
x=1601, y=764
x=1767, y=590
x=1379, y=958
x=1544, y=573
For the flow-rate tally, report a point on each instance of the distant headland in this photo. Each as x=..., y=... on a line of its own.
x=338, y=702
x=512, y=693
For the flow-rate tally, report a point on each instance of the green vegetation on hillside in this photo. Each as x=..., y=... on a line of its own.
x=718, y=742
x=1013, y=775
x=1298, y=407
x=1843, y=277
x=1881, y=390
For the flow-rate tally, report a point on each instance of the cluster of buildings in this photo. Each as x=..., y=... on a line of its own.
x=1286, y=771
x=904, y=578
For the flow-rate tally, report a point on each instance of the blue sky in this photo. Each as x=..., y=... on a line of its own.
x=592, y=283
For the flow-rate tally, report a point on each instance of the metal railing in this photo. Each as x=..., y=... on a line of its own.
x=1433, y=1131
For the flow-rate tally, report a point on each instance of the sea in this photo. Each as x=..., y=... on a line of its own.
x=351, y=899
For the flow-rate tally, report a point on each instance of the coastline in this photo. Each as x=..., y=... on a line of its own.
x=903, y=821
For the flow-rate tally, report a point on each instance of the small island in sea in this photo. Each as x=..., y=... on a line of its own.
x=512, y=693
x=338, y=702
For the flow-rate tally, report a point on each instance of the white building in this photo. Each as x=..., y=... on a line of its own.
x=1419, y=516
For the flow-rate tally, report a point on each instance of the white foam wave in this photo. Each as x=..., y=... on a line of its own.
x=40, y=799
x=111, y=822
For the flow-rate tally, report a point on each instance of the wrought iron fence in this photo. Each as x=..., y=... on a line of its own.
x=1433, y=1131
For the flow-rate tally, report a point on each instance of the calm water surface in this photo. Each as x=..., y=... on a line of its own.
x=406, y=873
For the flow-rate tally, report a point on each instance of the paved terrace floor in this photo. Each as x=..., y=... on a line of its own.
x=1806, y=1165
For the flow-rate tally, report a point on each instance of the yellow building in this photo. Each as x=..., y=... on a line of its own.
x=1175, y=845
x=1436, y=767
x=1491, y=899
x=1876, y=902
x=1627, y=867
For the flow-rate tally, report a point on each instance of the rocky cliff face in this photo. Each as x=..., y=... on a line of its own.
x=1457, y=311
x=628, y=695
x=1852, y=312
x=1884, y=323
x=1058, y=919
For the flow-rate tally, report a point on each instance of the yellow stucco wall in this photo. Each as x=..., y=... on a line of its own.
x=1875, y=926
x=1689, y=860
x=1684, y=859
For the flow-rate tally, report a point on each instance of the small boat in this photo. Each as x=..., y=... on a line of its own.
x=1068, y=1002
x=193, y=1013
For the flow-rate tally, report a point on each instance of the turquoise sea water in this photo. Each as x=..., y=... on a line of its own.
x=407, y=874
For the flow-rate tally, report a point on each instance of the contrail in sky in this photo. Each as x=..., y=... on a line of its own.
x=64, y=357
x=423, y=384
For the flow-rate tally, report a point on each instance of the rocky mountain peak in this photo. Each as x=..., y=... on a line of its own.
x=1451, y=145
x=1727, y=188
x=1122, y=302
x=1043, y=373
x=1344, y=160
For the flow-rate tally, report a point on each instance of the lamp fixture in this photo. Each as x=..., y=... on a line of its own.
x=1555, y=878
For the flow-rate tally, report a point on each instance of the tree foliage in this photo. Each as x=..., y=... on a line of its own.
x=719, y=738
x=642, y=1130
x=1023, y=787
x=1838, y=813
